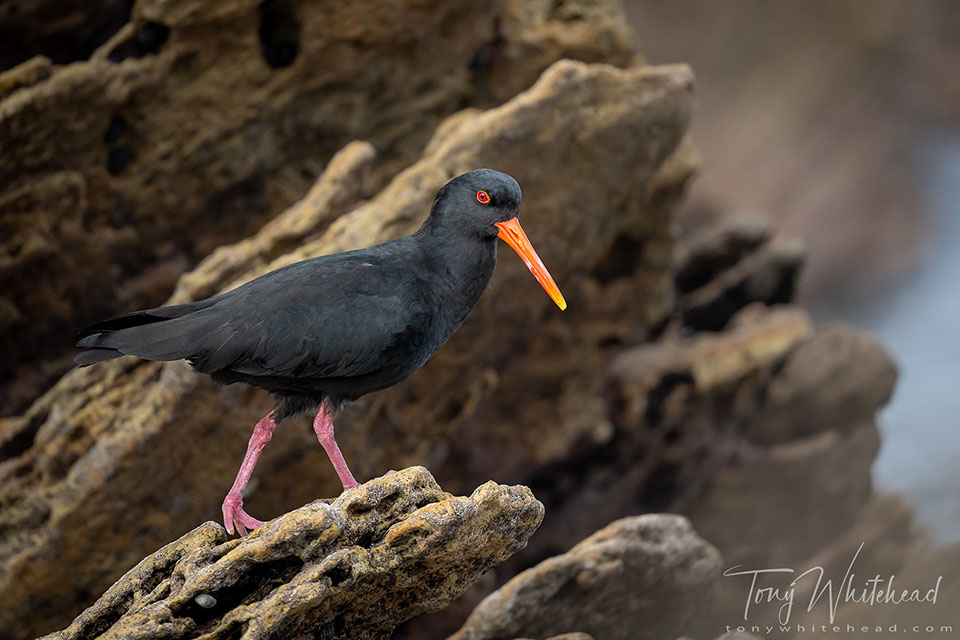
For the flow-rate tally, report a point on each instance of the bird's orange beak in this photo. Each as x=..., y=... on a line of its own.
x=512, y=233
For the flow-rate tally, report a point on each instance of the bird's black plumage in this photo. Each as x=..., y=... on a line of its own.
x=336, y=327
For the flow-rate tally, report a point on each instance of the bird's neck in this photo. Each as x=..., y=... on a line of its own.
x=461, y=264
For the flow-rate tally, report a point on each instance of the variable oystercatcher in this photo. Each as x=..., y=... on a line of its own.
x=324, y=331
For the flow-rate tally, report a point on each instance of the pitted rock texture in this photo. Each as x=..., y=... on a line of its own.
x=196, y=122
x=646, y=577
x=352, y=568
x=90, y=461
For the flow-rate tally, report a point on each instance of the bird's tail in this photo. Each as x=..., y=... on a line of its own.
x=166, y=333
x=88, y=356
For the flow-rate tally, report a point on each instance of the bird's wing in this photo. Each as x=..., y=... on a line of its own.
x=318, y=318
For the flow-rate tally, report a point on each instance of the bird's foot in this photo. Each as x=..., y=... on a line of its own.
x=235, y=516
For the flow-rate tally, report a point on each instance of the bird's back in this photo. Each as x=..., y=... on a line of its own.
x=333, y=327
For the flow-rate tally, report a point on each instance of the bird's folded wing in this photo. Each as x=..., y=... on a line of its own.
x=309, y=326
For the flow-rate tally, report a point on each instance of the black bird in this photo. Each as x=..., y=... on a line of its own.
x=324, y=331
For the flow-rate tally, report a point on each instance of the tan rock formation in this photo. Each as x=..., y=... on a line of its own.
x=355, y=567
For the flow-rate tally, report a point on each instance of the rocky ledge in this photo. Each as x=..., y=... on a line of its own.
x=354, y=567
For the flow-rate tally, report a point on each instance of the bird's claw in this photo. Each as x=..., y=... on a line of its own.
x=235, y=516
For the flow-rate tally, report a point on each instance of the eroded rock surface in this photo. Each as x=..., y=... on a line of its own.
x=644, y=577
x=354, y=567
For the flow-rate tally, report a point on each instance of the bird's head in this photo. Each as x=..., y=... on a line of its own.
x=486, y=203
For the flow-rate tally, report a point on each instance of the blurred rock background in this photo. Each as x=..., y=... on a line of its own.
x=842, y=122
x=166, y=150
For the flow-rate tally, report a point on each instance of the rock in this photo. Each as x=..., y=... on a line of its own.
x=705, y=252
x=670, y=407
x=818, y=484
x=707, y=361
x=732, y=264
x=838, y=379
x=353, y=568
x=340, y=188
x=744, y=430
x=644, y=577
x=685, y=414
x=883, y=539
x=90, y=461
x=802, y=450
x=29, y=73
x=530, y=36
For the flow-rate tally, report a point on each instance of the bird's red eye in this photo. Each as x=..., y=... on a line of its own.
x=483, y=197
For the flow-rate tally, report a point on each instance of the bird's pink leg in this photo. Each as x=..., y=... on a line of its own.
x=233, y=513
x=323, y=427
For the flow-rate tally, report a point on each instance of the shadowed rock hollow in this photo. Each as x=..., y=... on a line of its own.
x=354, y=567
